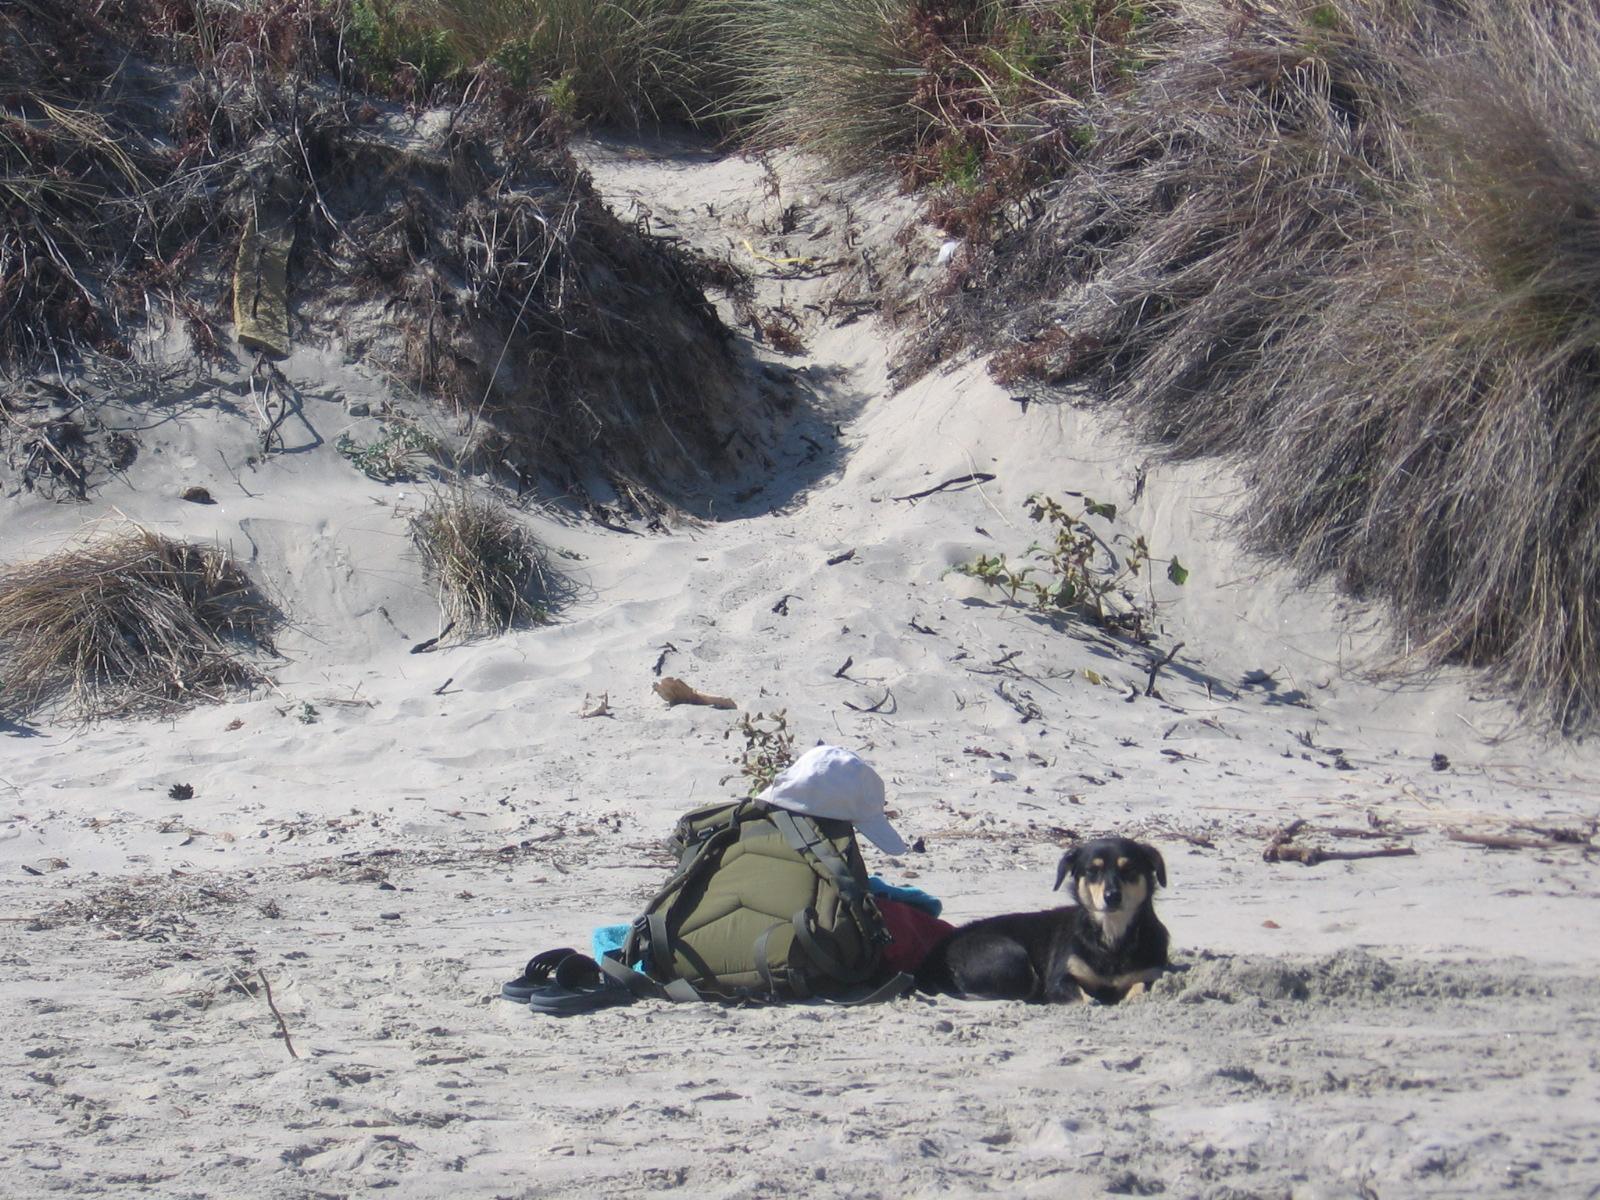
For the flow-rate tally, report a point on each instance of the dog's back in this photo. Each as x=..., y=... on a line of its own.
x=1008, y=957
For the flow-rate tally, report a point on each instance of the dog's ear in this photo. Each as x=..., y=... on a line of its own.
x=1069, y=863
x=1157, y=861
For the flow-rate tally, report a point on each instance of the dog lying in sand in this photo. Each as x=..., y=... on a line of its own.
x=1107, y=947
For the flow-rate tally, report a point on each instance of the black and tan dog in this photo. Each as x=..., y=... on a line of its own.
x=1106, y=947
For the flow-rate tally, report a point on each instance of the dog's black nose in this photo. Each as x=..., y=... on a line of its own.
x=1113, y=897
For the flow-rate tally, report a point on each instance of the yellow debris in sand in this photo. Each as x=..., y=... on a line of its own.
x=778, y=262
x=261, y=285
x=676, y=691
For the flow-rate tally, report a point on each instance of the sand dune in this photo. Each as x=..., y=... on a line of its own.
x=384, y=836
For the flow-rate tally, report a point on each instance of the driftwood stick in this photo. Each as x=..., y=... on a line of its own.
x=283, y=1028
x=667, y=649
x=1310, y=856
x=1496, y=841
x=423, y=647
x=1282, y=837
x=1155, y=669
x=888, y=695
x=1565, y=835
x=237, y=482
x=974, y=478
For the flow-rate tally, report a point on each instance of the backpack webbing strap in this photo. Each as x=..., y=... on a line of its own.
x=645, y=988
x=660, y=947
x=819, y=949
x=897, y=986
x=797, y=985
x=806, y=840
x=690, y=864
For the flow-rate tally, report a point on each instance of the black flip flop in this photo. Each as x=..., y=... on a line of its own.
x=539, y=972
x=576, y=986
x=558, y=1000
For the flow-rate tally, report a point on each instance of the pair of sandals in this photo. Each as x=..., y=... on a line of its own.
x=562, y=982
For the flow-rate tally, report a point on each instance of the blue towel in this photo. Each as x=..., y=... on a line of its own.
x=608, y=937
x=915, y=897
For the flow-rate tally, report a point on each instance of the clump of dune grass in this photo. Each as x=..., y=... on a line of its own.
x=971, y=99
x=128, y=623
x=609, y=60
x=1354, y=247
x=1438, y=443
x=835, y=77
x=491, y=573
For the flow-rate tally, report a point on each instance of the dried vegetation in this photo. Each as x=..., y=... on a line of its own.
x=1354, y=247
x=491, y=573
x=444, y=230
x=128, y=622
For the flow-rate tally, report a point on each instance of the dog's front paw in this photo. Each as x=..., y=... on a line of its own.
x=1135, y=992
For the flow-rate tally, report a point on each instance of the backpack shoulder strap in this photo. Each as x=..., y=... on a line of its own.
x=807, y=840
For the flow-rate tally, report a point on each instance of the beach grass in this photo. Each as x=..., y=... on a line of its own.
x=128, y=622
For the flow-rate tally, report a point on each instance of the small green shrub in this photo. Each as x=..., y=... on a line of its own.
x=1076, y=570
x=398, y=453
x=397, y=53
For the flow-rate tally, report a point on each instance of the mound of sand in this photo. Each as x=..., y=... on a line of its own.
x=254, y=950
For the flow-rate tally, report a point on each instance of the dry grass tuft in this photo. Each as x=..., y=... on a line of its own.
x=492, y=575
x=125, y=624
x=836, y=77
x=1439, y=441
x=1354, y=246
x=608, y=60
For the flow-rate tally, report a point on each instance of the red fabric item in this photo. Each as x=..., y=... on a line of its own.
x=915, y=933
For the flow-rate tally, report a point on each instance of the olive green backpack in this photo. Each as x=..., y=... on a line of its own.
x=765, y=904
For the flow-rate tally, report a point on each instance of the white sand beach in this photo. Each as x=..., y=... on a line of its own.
x=383, y=837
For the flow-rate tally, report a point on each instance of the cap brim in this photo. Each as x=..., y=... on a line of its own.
x=882, y=835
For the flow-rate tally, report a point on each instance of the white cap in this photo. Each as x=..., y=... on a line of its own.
x=826, y=781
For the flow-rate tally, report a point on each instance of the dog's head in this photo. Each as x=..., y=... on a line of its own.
x=1112, y=875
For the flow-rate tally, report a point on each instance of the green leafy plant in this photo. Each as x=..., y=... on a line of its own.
x=396, y=454
x=390, y=49
x=1074, y=569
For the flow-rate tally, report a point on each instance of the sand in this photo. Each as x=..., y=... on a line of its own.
x=383, y=837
